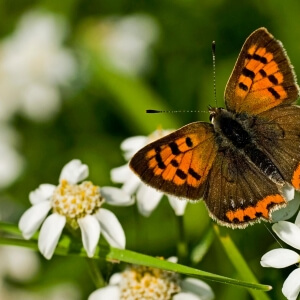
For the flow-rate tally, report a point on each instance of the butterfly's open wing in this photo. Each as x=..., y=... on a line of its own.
x=178, y=163
x=262, y=77
x=277, y=133
x=238, y=193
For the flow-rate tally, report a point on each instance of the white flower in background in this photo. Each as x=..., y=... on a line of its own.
x=125, y=42
x=33, y=65
x=79, y=205
x=60, y=291
x=293, y=203
x=16, y=264
x=11, y=162
x=19, y=264
x=147, y=197
x=281, y=258
x=140, y=282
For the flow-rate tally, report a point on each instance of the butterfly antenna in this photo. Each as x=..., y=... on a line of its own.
x=213, y=49
x=272, y=234
x=154, y=111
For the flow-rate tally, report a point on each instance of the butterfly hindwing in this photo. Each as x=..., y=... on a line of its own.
x=262, y=77
x=238, y=193
x=277, y=133
x=178, y=163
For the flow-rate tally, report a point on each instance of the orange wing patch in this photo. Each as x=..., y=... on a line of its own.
x=296, y=178
x=263, y=76
x=261, y=209
x=185, y=160
x=261, y=79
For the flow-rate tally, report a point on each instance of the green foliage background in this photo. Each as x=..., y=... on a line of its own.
x=106, y=107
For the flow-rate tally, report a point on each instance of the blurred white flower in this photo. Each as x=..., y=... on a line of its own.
x=281, y=258
x=61, y=291
x=147, y=197
x=33, y=65
x=79, y=205
x=125, y=42
x=140, y=282
x=19, y=264
x=11, y=162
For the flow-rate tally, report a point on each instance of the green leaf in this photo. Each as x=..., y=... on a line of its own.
x=203, y=246
x=238, y=262
x=67, y=247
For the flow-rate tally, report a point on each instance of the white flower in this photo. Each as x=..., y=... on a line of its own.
x=147, y=197
x=293, y=203
x=19, y=264
x=140, y=282
x=124, y=42
x=33, y=64
x=281, y=258
x=76, y=204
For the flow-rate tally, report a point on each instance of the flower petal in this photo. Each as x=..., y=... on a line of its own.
x=178, y=205
x=173, y=259
x=33, y=217
x=186, y=296
x=288, y=232
x=111, y=228
x=50, y=234
x=108, y=292
x=43, y=193
x=74, y=171
x=287, y=212
x=115, y=279
x=297, y=221
x=280, y=258
x=197, y=287
x=291, y=286
x=120, y=174
x=147, y=199
x=132, y=183
x=132, y=145
x=90, y=231
x=115, y=196
x=288, y=192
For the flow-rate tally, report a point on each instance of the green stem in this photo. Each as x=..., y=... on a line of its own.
x=95, y=273
x=182, y=249
x=94, y=268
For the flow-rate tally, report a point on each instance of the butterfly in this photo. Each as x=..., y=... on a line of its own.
x=240, y=162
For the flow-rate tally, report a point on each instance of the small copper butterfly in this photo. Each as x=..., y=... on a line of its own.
x=238, y=163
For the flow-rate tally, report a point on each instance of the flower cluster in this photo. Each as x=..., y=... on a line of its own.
x=140, y=282
x=33, y=65
x=79, y=205
x=280, y=258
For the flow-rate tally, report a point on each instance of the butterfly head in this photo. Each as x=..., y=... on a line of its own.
x=214, y=112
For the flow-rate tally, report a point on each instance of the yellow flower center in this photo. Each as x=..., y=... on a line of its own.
x=147, y=283
x=76, y=200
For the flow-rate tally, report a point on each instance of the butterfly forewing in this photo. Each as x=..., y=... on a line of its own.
x=179, y=162
x=262, y=77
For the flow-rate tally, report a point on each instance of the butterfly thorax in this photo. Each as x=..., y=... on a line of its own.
x=232, y=132
x=228, y=125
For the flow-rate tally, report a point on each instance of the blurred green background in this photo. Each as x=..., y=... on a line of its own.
x=164, y=64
